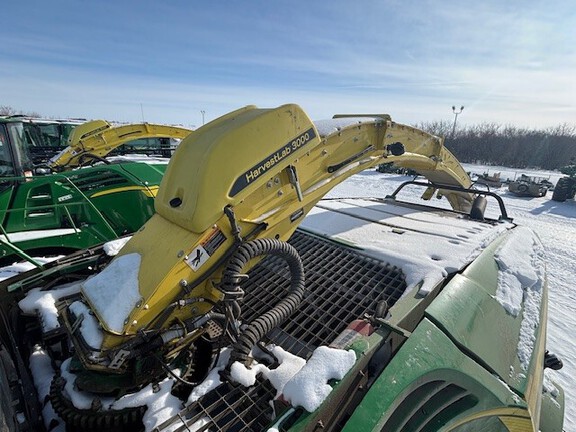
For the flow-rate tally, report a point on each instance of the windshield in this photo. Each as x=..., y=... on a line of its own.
x=19, y=148
x=44, y=140
x=6, y=165
x=51, y=134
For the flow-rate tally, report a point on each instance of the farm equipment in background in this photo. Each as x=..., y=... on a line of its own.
x=55, y=208
x=98, y=141
x=530, y=186
x=491, y=180
x=566, y=186
x=44, y=137
x=212, y=268
x=390, y=168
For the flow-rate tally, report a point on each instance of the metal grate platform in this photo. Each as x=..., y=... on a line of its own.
x=342, y=285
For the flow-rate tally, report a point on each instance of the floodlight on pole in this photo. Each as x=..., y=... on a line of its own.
x=456, y=114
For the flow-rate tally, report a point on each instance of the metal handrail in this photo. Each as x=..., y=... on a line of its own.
x=498, y=198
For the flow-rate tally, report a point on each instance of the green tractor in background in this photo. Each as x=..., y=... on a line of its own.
x=59, y=201
x=566, y=186
x=45, y=137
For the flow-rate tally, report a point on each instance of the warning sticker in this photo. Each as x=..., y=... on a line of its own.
x=197, y=258
x=214, y=241
x=206, y=249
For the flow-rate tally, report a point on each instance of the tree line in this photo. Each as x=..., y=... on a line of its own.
x=6, y=110
x=506, y=145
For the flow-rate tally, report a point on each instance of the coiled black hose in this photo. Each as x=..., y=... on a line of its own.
x=233, y=276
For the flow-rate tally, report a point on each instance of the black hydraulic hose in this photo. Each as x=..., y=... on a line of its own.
x=233, y=276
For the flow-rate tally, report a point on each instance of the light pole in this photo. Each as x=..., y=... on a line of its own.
x=456, y=113
x=202, y=112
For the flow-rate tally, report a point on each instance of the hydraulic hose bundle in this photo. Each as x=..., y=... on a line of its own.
x=232, y=278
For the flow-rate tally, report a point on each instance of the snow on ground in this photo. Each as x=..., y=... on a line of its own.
x=511, y=173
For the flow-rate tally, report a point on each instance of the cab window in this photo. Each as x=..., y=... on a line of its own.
x=20, y=151
x=6, y=164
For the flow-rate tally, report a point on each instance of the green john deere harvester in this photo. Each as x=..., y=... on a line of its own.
x=72, y=198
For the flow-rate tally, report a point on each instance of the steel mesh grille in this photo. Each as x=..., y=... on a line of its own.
x=229, y=408
x=342, y=285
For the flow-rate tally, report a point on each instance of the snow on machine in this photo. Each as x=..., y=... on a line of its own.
x=248, y=302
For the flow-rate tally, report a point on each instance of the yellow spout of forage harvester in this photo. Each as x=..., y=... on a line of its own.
x=255, y=173
x=93, y=140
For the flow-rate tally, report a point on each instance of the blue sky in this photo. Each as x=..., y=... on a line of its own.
x=510, y=62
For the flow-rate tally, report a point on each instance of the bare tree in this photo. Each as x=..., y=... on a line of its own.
x=495, y=144
x=6, y=110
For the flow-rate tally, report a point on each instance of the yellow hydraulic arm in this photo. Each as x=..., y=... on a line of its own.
x=95, y=139
x=255, y=173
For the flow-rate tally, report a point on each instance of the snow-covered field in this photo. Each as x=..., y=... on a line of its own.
x=552, y=221
x=555, y=223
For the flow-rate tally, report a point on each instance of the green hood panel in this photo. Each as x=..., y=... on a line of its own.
x=430, y=382
x=475, y=321
x=469, y=313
